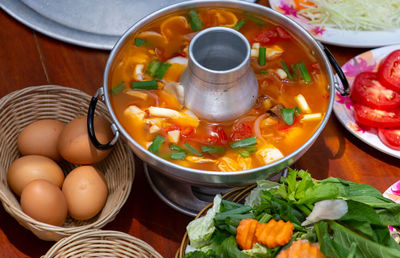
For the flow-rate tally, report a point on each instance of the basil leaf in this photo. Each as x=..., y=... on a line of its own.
x=289, y=113
x=244, y=142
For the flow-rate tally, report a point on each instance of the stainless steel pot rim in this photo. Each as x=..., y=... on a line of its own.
x=259, y=9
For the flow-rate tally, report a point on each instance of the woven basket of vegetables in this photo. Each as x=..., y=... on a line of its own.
x=297, y=217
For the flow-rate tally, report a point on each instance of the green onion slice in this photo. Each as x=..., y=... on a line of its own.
x=261, y=56
x=289, y=113
x=262, y=72
x=244, y=142
x=145, y=85
x=286, y=70
x=239, y=25
x=118, y=88
x=295, y=70
x=213, y=149
x=177, y=148
x=162, y=69
x=153, y=67
x=194, y=20
x=139, y=42
x=156, y=145
x=193, y=150
x=178, y=155
x=254, y=19
x=304, y=71
x=246, y=151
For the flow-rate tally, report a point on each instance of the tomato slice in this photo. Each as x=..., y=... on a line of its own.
x=367, y=116
x=242, y=130
x=212, y=136
x=272, y=35
x=390, y=137
x=368, y=91
x=389, y=71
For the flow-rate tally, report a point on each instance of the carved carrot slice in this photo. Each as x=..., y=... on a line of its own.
x=245, y=233
x=301, y=248
x=274, y=233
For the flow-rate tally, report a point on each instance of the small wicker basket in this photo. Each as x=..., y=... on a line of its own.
x=101, y=243
x=236, y=195
x=22, y=107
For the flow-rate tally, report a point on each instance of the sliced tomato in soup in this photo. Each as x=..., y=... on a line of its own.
x=389, y=71
x=368, y=91
x=272, y=35
x=390, y=137
x=242, y=130
x=367, y=116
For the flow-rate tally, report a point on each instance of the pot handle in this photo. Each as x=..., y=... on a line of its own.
x=90, y=125
x=345, y=90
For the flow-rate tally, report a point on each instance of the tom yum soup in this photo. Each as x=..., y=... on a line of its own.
x=149, y=101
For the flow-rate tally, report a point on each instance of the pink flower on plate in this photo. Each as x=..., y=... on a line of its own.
x=355, y=67
x=318, y=30
x=345, y=100
x=356, y=128
x=287, y=9
x=395, y=188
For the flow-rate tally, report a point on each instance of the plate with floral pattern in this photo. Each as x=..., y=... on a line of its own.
x=334, y=36
x=343, y=106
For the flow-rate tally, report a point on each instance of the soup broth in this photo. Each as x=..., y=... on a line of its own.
x=148, y=100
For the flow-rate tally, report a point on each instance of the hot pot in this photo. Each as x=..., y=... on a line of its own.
x=214, y=178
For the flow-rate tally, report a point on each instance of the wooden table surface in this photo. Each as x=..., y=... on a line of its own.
x=29, y=58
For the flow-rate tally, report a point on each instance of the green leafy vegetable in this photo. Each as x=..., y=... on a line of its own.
x=156, y=145
x=118, y=88
x=140, y=42
x=213, y=149
x=153, y=67
x=145, y=85
x=240, y=24
x=244, y=142
x=289, y=113
x=262, y=72
x=194, y=20
x=162, y=69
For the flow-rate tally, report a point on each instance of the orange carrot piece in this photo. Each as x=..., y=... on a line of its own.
x=274, y=233
x=301, y=248
x=245, y=233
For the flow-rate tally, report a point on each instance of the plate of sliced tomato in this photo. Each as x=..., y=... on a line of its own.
x=372, y=109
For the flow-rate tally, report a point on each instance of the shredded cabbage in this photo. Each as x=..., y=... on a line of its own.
x=367, y=15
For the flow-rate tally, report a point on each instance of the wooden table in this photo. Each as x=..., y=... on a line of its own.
x=29, y=58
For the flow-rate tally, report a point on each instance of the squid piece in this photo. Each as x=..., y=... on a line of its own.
x=268, y=154
x=196, y=159
x=326, y=209
x=180, y=118
x=135, y=112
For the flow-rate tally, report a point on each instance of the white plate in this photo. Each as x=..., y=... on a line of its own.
x=343, y=107
x=346, y=38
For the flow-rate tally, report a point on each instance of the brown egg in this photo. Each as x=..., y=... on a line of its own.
x=75, y=146
x=85, y=190
x=31, y=167
x=44, y=202
x=41, y=138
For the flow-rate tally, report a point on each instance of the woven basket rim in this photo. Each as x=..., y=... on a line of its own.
x=65, y=231
x=100, y=233
x=235, y=195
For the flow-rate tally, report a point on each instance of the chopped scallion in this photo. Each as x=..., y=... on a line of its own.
x=285, y=68
x=145, y=85
x=261, y=56
x=162, y=69
x=177, y=148
x=118, y=88
x=246, y=151
x=239, y=24
x=153, y=67
x=254, y=19
x=304, y=72
x=295, y=71
x=262, y=72
x=244, y=142
x=178, y=155
x=193, y=150
x=139, y=42
x=194, y=20
x=213, y=149
x=156, y=145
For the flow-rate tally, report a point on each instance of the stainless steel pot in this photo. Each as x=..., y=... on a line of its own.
x=215, y=178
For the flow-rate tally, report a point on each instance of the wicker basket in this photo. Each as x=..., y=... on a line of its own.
x=101, y=243
x=22, y=107
x=236, y=195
